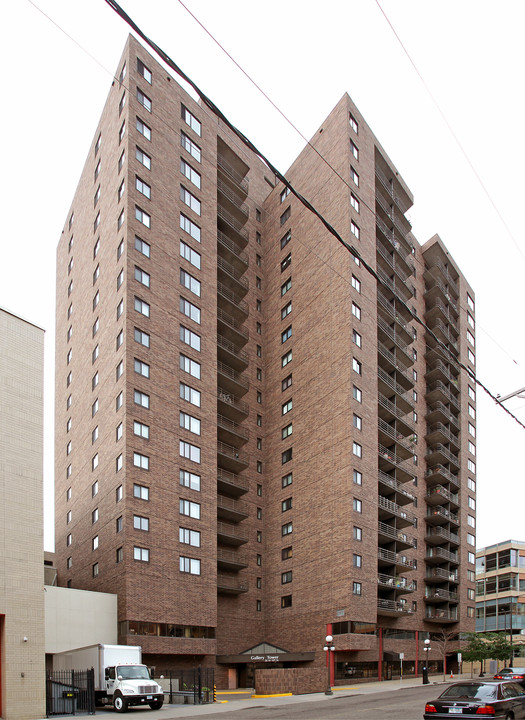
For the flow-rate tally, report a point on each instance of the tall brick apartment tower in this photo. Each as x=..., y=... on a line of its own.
x=256, y=443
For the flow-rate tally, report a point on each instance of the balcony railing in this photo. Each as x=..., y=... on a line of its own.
x=438, y=552
x=440, y=574
x=446, y=294
x=442, y=535
x=440, y=595
x=232, y=452
x=393, y=409
x=439, y=407
x=233, y=427
x=232, y=247
x=441, y=615
x=436, y=263
x=394, y=558
x=225, y=166
x=232, y=348
x=395, y=534
x=441, y=493
x=233, y=323
x=395, y=484
x=231, y=584
x=232, y=374
x=388, y=186
x=393, y=606
x=232, y=272
x=232, y=222
x=231, y=399
x=441, y=512
x=438, y=386
x=397, y=583
x=438, y=448
x=233, y=198
x=231, y=482
x=394, y=336
x=395, y=509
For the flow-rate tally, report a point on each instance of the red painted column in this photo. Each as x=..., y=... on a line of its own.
x=380, y=661
x=330, y=659
x=417, y=652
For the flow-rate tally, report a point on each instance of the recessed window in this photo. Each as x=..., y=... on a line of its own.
x=190, y=173
x=143, y=157
x=353, y=123
x=286, y=577
x=357, y=533
x=189, y=394
x=144, y=129
x=121, y=160
x=354, y=149
x=190, y=200
x=119, y=462
x=144, y=100
x=357, y=449
x=286, y=215
x=287, y=529
x=140, y=430
x=190, y=310
x=190, y=119
x=96, y=327
x=190, y=338
x=94, y=516
x=141, y=368
x=286, y=262
x=356, y=311
x=94, y=543
x=356, y=366
x=354, y=176
x=191, y=509
x=122, y=103
x=190, y=480
x=119, y=432
x=358, y=477
x=286, y=239
x=190, y=565
x=140, y=554
x=140, y=523
x=190, y=227
x=357, y=422
x=357, y=560
x=357, y=394
x=470, y=302
x=286, y=456
x=287, y=480
x=286, y=431
x=286, y=407
x=356, y=338
x=189, y=537
x=141, y=306
x=189, y=451
x=119, y=556
x=143, y=187
x=286, y=310
x=188, y=422
x=143, y=70
x=191, y=147
x=142, y=216
x=94, y=408
x=141, y=461
x=141, y=399
x=286, y=334
x=286, y=383
x=357, y=505
x=189, y=254
x=284, y=194
x=286, y=505
x=142, y=337
x=94, y=462
x=286, y=286
x=94, y=435
x=141, y=492
x=190, y=366
x=356, y=588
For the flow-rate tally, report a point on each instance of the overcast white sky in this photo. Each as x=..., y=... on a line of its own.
x=305, y=56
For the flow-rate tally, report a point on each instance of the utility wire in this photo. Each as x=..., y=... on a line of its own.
x=215, y=109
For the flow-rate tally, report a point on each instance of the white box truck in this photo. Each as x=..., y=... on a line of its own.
x=121, y=679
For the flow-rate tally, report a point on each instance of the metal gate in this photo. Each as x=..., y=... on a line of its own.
x=195, y=685
x=70, y=692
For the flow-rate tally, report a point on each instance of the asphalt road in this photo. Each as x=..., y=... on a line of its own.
x=401, y=704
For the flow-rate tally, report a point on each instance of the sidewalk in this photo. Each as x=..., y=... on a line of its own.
x=242, y=698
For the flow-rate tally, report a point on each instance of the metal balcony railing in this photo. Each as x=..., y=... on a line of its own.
x=236, y=176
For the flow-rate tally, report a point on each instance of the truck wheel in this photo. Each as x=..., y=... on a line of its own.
x=120, y=703
x=156, y=704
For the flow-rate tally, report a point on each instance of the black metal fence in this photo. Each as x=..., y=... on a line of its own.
x=70, y=692
x=194, y=686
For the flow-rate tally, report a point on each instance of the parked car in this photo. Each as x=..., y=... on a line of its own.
x=509, y=673
x=479, y=698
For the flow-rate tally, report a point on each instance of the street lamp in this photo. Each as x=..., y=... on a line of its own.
x=328, y=648
x=426, y=650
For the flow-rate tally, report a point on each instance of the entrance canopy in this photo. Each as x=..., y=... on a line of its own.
x=265, y=653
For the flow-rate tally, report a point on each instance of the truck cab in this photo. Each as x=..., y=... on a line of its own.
x=128, y=685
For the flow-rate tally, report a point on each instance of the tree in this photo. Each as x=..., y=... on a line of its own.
x=441, y=641
x=499, y=647
x=477, y=650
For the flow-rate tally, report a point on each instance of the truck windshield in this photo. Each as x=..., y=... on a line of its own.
x=131, y=672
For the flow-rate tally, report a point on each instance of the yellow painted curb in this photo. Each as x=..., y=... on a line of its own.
x=233, y=692
x=276, y=695
x=335, y=689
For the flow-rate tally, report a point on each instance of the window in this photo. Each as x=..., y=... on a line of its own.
x=286, y=383
x=189, y=394
x=472, y=429
x=286, y=286
x=188, y=422
x=191, y=509
x=357, y=533
x=259, y=351
x=259, y=420
x=188, y=254
x=356, y=366
x=141, y=368
x=357, y=339
x=142, y=307
x=94, y=408
x=472, y=412
x=286, y=407
x=141, y=523
x=190, y=366
x=143, y=158
x=190, y=227
x=69, y=540
x=122, y=103
x=96, y=326
x=190, y=338
x=357, y=449
x=358, y=477
x=188, y=144
x=94, y=462
x=470, y=301
x=286, y=262
x=471, y=393
x=141, y=398
x=357, y=394
x=286, y=504
x=472, y=558
x=121, y=160
x=190, y=173
x=471, y=520
x=285, y=216
x=191, y=452
x=286, y=577
x=286, y=334
x=119, y=463
x=190, y=282
x=470, y=338
x=286, y=431
x=471, y=466
x=121, y=219
x=358, y=422
x=142, y=338
x=143, y=70
x=141, y=492
x=142, y=216
x=190, y=310
x=258, y=328
x=94, y=435
x=120, y=193
x=471, y=540
x=119, y=432
x=259, y=466
x=141, y=461
x=189, y=537
x=140, y=554
x=191, y=120
x=143, y=187
x=353, y=123
x=259, y=373
x=94, y=569
x=120, y=308
x=354, y=149
x=190, y=200
x=68, y=517
x=286, y=456
x=286, y=239
x=140, y=429
x=286, y=358
x=190, y=480
x=120, y=279
x=471, y=448
x=144, y=100
x=142, y=246
x=470, y=320
x=356, y=283
x=286, y=601
x=287, y=480
x=259, y=536
x=94, y=516
x=354, y=176
x=286, y=529
x=286, y=310
x=144, y=129
x=356, y=588
x=471, y=484
x=189, y=565
x=356, y=311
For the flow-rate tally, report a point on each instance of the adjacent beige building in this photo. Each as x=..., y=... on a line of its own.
x=22, y=657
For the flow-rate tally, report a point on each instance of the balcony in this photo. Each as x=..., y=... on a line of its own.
x=232, y=252
x=388, y=461
x=231, y=585
x=439, y=554
x=391, y=263
x=400, y=584
x=438, y=370
x=438, y=474
x=388, y=384
x=231, y=329
x=391, y=313
x=396, y=286
x=402, y=495
x=229, y=353
x=230, y=458
x=231, y=484
x=405, y=447
x=440, y=454
x=388, y=334
x=233, y=304
x=230, y=509
x=400, y=198
x=439, y=535
x=440, y=515
x=438, y=575
x=439, y=432
x=388, y=411
x=437, y=595
x=435, y=268
x=231, y=227
x=392, y=607
x=233, y=201
x=231, y=560
x=441, y=616
x=438, y=291
x=231, y=277
x=231, y=172
x=232, y=381
x=390, y=362
x=439, y=411
x=387, y=507
x=230, y=406
x=438, y=308
x=387, y=558
x=442, y=332
x=231, y=534
x=230, y=432
x=439, y=391
x=439, y=495
x=387, y=533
